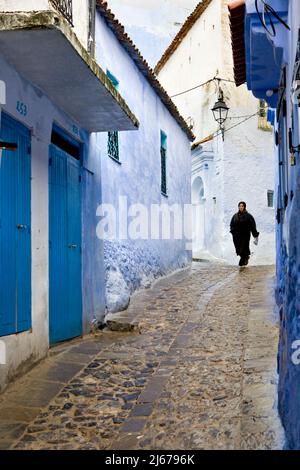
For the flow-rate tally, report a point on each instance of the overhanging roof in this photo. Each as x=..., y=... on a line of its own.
x=42, y=47
x=237, y=11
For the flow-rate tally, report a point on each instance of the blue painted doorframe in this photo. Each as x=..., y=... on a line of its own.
x=15, y=238
x=65, y=294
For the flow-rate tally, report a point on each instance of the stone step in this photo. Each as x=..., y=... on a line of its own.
x=122, y=322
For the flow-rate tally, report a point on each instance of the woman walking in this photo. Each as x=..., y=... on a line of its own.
x=241, y=226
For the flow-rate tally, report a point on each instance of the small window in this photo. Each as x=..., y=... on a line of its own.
x=113, y=145
x=65, y=142
x=163, y=155
x=113, y=136
x=270, y=196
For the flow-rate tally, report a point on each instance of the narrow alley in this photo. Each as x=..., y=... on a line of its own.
x=197, y=371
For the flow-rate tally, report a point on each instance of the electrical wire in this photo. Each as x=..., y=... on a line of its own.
x=228, y=129
x=236, y=125
x=202, y=84
x=268, y=11
x=191, y=89
x=240, y=117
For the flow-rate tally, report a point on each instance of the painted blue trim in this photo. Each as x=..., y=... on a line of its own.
x=271, y=116
x=18, y=126
x=163, y=140
x=283, y=160
x=295, y=121
x=113, y=79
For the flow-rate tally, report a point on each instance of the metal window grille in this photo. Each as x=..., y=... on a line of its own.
x=270, y=196
x=163, y=153
x=113, y=145
x=65, y=8
x=113, y=136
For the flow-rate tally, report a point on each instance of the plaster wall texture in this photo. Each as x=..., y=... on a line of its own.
x=152, y=24
x=138, y=175
x=80, y=13
x=26, y=348
x=243, y=167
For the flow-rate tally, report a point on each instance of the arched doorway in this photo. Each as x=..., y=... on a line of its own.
x=198, y=201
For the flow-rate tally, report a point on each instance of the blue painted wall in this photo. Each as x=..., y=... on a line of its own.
x=287, y=235
x=288, y=262
x=287, y=200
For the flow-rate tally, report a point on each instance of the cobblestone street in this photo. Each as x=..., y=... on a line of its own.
x=198, y=371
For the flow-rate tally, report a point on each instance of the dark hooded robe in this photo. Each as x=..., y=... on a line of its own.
x=241, y=226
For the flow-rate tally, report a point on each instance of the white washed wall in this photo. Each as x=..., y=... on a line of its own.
x=152, y=24
x=138, y=176
x=243, y=167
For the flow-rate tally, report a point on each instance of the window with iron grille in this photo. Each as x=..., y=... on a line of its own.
x=113, y=145
x=270, y=196
x=163, y=155
x=113, y=136
x=65, y=8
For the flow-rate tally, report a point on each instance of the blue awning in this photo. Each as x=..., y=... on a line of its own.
x=264, y=53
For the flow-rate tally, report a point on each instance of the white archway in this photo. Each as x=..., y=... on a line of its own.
x=198, y=201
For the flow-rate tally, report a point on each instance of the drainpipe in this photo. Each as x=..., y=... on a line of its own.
x=91, y=32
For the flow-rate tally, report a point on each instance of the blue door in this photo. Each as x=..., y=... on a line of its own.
x=15, y=239
x=65, y=297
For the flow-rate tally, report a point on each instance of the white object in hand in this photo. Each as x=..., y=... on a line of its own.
x=256, y=241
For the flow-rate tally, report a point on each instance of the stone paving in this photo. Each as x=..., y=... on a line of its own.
x=199, y=372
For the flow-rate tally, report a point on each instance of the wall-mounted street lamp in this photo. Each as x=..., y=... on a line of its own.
x=8, y=146
x=220, y=111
